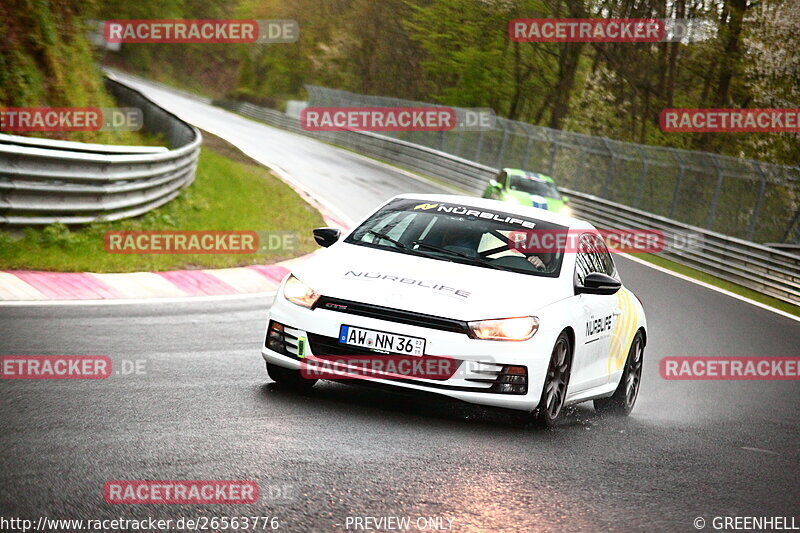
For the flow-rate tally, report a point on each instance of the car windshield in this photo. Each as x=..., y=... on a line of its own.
x=460, y=234
x=533, y=186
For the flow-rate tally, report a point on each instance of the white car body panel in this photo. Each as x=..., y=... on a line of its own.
x=467, y=293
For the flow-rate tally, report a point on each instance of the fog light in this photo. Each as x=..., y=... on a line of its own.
x=275, y=337
x=512, y=379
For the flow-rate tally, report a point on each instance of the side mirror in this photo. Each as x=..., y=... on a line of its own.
x=326, y=236
x=597, y=283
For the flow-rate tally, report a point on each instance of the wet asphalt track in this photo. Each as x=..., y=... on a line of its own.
x=204, y=409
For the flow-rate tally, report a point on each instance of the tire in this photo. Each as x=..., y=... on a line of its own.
x=554, y=391
x=289, y=378
x=624, y=398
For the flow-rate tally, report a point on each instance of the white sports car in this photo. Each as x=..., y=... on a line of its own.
x=439, y=277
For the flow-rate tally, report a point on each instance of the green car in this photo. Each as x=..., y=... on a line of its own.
x=527, y=188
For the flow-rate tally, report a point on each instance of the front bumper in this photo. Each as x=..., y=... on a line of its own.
x=481, y=361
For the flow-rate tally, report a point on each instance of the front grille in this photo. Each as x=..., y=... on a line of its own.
x=392, y=315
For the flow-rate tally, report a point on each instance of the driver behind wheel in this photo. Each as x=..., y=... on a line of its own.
x=541, y=260
x=459, y=239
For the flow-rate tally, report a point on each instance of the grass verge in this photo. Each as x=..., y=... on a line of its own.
x=230, y=192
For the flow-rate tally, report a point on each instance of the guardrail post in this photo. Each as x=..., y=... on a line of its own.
x=611, y=167
x=553, y=153
x=502, y=151
x=479, y=147
x=579, y=169
x=678, y=182
x=791, y=225
x=751, y=229
x=645, y=169
x=712, y=210
x=457, y=150
x=528, y=148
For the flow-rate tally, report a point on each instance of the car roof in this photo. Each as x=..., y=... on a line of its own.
x=505, y=207
x=528, y=174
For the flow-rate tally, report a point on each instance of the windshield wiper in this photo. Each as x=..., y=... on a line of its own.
x=471, y=259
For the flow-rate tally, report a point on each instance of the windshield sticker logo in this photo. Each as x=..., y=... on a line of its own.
x=486, y=215
x=435, y=287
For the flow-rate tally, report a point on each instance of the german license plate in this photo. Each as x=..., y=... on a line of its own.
x=381, y=341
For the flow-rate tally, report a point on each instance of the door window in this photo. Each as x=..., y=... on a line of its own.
x=593, y=256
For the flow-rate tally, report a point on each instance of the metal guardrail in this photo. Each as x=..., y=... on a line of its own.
x=35, y=142
x=755, y=266
x=43, y=181
x=751, y=265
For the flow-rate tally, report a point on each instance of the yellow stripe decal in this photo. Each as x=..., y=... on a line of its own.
x=624, y=330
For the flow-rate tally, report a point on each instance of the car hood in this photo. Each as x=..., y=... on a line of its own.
x=433, y=287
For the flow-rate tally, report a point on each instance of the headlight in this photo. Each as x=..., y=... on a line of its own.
x=299, y=293
x=565, y=210
x=506, y=329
